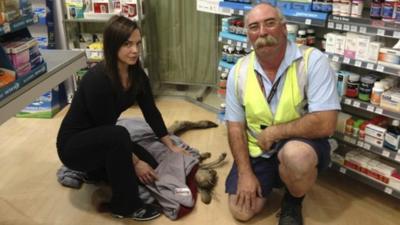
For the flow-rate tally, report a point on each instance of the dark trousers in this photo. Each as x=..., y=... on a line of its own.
x=108, y=148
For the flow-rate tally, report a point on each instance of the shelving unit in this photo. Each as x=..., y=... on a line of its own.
x=364, y=26
x=60, y=65
x=323, y=20
x=365, y=65
x=366, y=180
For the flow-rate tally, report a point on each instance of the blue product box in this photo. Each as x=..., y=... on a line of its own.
x=47, y=105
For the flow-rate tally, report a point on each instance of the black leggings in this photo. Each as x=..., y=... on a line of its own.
x=108, y=148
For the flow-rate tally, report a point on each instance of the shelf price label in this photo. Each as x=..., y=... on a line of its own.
x=367, y=146
x=346, y=27
x=244, y=45
x=380, y=32
x=347, y=101
x=238, y=44
x=229, y=42
x=353, y=28
x=360, y=143
x=241, y=12
x=308, y=21
x=370, y=108
x=331, y=25
x=379, y=111
x=346, y=60
x=335, y=58
x=396, y=34
x=356, y=104
x=363, y=30
x=6, y=28
x=342, y=170
x=380, y=68
x=220, y=39
x=397, y=158
x=339, y=26
x=370, y=66
x=358, y=63
x=386, y=153
x=35, y=18
x=219, y=68
x=347, y=139
x=388, y=190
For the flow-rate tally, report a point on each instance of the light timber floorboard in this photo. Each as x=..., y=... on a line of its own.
x=31, y=195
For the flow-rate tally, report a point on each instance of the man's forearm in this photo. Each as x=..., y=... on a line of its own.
x=238, y=145
x=312, y=125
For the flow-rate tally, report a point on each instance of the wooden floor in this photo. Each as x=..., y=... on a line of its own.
x=31, y=195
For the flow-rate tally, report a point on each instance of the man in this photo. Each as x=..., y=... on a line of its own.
x=271, y=136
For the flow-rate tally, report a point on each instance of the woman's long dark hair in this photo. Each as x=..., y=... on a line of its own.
x=117, y=31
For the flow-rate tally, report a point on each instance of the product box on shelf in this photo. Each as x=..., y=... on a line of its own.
x=47, y=105
x=7, y=76
x=102, y=6
x=129, y=8
x=75, y=8
x=390, y=100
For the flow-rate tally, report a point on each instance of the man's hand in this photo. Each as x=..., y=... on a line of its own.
x=267, y=138
x=248, y=190
x=144, y=172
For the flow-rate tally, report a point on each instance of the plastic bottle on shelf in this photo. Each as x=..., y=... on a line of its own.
x=377, y=92
x=310, y=37
x=392, y=136
x=221, y=113
x=352, y=85
x=365, y=89
x=376, y=9
x=238, y=53
x=230, y=57
x=292, y=31
x=222, y=85
x=349, y=126
x=301, y=37
x=225, y=53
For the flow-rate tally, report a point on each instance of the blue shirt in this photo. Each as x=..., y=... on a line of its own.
x=321, y=92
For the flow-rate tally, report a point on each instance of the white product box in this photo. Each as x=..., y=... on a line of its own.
x=330, y=42
x=363, y=46
x=340, y=44
x=373, y=51
x=351, y=45
x=341, y=122
x=374, y=141
x=375, y=131
x=390, y=100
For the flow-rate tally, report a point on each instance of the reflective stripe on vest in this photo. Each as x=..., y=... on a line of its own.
x=257, y=111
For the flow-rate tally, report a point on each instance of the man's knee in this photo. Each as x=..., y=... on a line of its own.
x=298, y=157
x=240, y=213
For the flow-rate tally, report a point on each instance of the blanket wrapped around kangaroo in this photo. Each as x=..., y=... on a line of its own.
x=180, y=176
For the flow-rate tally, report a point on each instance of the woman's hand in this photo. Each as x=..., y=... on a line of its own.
x=144, y=172
x=170, y=144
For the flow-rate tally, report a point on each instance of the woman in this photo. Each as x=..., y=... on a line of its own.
x=89, y=140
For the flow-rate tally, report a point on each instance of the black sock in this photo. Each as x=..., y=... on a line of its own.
x=290, y=198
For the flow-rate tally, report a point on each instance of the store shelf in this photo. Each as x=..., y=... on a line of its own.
x=18, y=24
x=235, y=8
x=365, y=65
x=234, y=39
x=364, y=179
x=364, y=26
x=369, y=107
x=317, y=19
x=61, y=64
x=292, y=16
x=384, y=152
x=224, y=66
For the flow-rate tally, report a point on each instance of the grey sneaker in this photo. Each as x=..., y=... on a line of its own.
x=290, y=214
x=147, y=212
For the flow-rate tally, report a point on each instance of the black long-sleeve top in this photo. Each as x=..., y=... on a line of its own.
x=99, y=102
